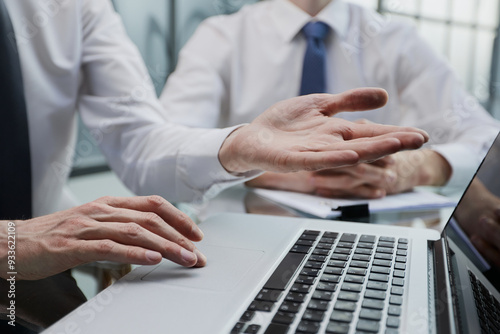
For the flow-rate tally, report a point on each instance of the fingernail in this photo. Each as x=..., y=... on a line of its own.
x=188, y=256
x=153, y=256
x=202, y=259
x=197, y=231
x=379, y=193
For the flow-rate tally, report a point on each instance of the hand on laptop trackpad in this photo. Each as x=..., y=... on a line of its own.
x=215, y=275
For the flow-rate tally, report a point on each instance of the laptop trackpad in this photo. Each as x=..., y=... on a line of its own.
x=215, y=276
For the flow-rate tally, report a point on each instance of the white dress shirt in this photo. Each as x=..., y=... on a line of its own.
x=76, y=56
x=234, y=67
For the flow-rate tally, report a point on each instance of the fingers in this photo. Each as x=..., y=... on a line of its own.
x=353, y=176
x=159, y=206
x=134, y=235
x=353, y=100
x=296, y=161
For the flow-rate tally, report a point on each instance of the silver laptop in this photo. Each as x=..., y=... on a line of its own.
x=290, y=275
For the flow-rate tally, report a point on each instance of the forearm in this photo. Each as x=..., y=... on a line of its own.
x=7, y=247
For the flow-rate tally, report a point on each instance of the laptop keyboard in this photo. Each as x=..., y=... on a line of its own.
x=487, y=306
x=333, y=283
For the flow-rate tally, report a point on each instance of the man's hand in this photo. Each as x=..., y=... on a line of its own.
x=299, y=134
x=479, y=216
x=390, y=175
x=138, y=230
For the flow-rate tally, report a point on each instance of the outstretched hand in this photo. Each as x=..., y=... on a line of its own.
x=136, y=230
x=299, y=134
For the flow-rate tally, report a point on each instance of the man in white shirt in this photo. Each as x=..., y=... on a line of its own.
x=75, y=55
x=235, y=66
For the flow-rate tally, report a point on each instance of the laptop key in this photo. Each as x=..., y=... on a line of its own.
x=398, y=281
x=375, y=294
x=345, y=306
x=305, y=280
x=258, y=305
x=363, y=251
x=389, y=239
x=247, y=316
x=295, y=297
x=367, y=238
x=284, y=318
x=300, y=249
x=370, y=314
x=276, y=329
x=400, y=266
x=401, y=252
x=310, y=272
x=396, y=300
x=377, y=285
x=386, y=244
x=349, y=296
x=330, y=278
x=322, y=295
x=333, y=271
x=305, y=236
x=348, y=237
x=319, y=258
x=361, y=257
x=291, y=307
x=313, y=264
x=345, y=244
x=365, y=245
x=379, y=277
x=368, y=326
x=308, y=327
x=359, y=264
x=333, y=235
x=394, y=310
x=401, y=259
x=392, y=322
x=336, y=328
x=318, y=251
x=320, y=305
x=380, y=270
x=283, y=274
x=303, y=242
x=313, y=315
x=340, y=257
x=403, y=240
x=353, y=287
x=384, y=250
x=269, y=295
x=302, y=288
x=373, y=304
x=252, y=329
x=354, y=279
x=238, y=328
x=323, y=245
x=357, y=271
x=396, y=290
x=341, y=316
x=383, y=256
x=399, y=273
x=326, y=286
x=341, y=250
x=402, y=246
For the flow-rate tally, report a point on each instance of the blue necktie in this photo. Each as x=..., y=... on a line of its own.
x=314, y=69
x=15, y=160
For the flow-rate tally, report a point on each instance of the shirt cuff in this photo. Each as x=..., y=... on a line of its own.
x=201, y=175
x=463, y=162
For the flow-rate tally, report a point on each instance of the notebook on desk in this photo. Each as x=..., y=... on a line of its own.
x=291, y=275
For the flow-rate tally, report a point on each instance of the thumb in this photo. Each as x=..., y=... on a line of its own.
x=359, y=99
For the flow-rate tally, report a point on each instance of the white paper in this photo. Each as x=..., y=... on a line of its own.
x=322, y=206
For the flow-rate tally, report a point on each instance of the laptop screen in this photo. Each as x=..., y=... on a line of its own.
x=475, y=224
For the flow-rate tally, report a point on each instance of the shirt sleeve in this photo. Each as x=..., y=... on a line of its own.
x=118, y=104
x=433, y=98
x=197, y=92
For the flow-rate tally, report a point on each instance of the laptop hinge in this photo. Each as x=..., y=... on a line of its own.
x=444, y=307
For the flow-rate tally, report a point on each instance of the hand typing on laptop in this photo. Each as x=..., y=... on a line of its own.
x=139, y=230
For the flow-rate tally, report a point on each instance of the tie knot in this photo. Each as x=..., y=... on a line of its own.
x=317, y=30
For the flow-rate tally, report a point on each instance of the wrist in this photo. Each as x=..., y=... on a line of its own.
x=435, y=169
x=230, y=155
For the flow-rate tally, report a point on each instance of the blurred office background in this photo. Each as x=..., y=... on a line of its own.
x=463, y=31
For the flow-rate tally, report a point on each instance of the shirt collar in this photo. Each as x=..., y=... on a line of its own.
x=290, y=19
